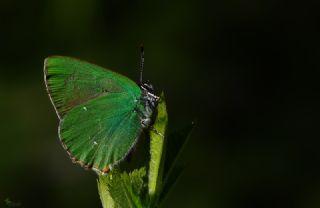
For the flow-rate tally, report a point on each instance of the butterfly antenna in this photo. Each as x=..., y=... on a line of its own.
x=141, y=62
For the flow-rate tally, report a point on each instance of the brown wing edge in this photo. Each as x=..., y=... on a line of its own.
x=45, y=70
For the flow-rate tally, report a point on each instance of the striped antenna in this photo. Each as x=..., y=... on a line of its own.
x=141, y=62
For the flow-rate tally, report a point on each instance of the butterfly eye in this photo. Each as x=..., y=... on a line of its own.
x=148, y=86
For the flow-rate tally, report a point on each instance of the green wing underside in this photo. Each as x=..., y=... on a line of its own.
x=96, y=108
x=71, y=82
x=102, y=131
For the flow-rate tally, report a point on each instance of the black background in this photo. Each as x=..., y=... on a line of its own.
x=246, y=70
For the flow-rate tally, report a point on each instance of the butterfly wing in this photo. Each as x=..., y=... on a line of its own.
x=96, y=107
x=71, y=82
x=101, y=131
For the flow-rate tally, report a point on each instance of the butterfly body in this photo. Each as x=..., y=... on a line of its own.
x=101, y=113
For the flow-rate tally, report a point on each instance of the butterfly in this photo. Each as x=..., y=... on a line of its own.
x=102, y=113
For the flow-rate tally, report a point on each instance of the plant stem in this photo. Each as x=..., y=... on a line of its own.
x=157, y=151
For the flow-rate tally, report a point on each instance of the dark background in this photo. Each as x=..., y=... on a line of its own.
x=248, y=71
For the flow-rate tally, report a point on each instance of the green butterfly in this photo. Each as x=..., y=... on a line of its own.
x=101, y=112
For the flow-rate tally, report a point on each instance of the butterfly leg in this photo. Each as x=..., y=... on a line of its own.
x=145, y=122
x=154, y=130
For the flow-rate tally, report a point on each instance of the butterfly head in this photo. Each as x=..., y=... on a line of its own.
x=147, y=86
x=150, y=101
x=148, y=95
x=148, y=91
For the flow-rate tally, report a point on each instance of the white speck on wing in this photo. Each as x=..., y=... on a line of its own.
x=85, y=108
x=95, y=143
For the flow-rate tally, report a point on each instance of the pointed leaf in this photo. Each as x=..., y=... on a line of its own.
x=123, y=188
x=105, y=197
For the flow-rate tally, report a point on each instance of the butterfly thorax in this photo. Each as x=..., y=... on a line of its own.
x=149, y=101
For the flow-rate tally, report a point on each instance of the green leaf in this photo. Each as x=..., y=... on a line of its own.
x=157, y=135
x=122, y=190
x=136, y=180
x=105, y=197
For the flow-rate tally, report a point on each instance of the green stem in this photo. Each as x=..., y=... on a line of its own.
x=157, y=143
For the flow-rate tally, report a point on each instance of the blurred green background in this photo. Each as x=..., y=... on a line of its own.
x=246, y=70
